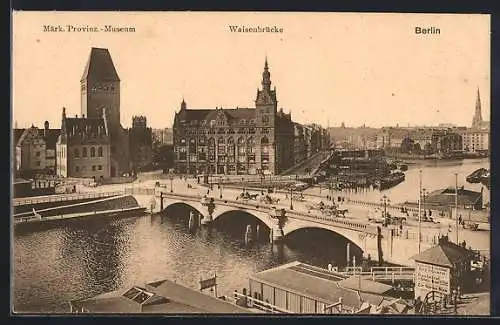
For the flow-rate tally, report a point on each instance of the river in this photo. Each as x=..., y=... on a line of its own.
x=436, y=174
x=53, y=264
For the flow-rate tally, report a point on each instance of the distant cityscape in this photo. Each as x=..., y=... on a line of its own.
x=260, y=140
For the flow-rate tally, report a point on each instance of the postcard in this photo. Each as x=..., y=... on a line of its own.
x=250, y=162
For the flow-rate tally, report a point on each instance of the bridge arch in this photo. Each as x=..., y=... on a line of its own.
x=194, y=207
x=353, y=237
x=262, y=216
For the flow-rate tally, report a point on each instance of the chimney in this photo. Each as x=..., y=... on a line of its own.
x=83, y=115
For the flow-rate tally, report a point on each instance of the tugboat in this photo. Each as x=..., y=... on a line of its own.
x=390, y=180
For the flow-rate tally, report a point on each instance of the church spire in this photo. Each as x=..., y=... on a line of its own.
x=266, y=77
x=478, y=118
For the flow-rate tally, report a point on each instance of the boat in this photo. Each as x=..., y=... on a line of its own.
x=390, y=180
x=477, y=176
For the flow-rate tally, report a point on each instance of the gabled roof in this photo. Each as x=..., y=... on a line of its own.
x=233, y=115
x=447, y=196
x=100, y=66
x=445, y=254
x=161, y=297
x=80, y=124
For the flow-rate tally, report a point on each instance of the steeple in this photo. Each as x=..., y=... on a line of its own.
x=183, y=104
x=478, y=118
x=266, y=77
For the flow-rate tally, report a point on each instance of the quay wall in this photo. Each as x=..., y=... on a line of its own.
x=46, y=205
x=119, y=202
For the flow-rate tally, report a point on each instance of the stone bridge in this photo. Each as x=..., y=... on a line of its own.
x=280, y=222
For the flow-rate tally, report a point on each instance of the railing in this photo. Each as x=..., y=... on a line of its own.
x=73, y=215
x=259, y=304
x=139, y=191
x=382, y=273
x=62, y=198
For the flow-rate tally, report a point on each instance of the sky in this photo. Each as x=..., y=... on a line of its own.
x=328, y=68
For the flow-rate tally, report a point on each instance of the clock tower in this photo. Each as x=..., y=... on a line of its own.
x=100, y=93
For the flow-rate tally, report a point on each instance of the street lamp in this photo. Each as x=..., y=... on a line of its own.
x=385, y=201
x=424, y=194
x=291, y=197
x=220, y=187
x=242, y=184
x=171, y=183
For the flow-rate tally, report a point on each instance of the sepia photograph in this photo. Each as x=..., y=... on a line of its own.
x=178, y=163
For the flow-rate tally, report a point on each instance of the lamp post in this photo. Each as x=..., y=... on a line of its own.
x=171, y=183
x=291, y=198
x=419, y=210
x=220, y=187
x=385, y=201
x=424, y=194
x=242, y=184
x=456, y=206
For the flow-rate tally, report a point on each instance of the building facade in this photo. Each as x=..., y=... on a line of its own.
x=141, y=144
x=83, y=148
x=34, y=150
x=235, y=141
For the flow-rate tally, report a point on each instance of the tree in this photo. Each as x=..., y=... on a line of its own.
x=407, y=145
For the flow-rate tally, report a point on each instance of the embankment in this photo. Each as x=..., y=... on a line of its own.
x=112, y=203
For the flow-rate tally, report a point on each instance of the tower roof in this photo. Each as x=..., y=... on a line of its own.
x=100, y=66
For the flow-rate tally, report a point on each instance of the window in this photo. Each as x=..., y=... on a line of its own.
x=84, y=153
x=92, y=152
x=99, y=151
x=37, y=153
x=99, y=167
x=77, y=153
x=139, y=295
x=77, y=169
x=93, y=168
x=38, y=163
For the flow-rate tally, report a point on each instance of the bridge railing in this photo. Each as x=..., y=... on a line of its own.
x=339, y=222
x=62, y=198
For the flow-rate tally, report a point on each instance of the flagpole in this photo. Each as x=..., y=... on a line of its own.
x=419, y=210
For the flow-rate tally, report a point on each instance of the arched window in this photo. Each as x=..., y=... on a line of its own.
x=265, y=144
x=241, y=146
x=99, y=151
x=250, y=145
x=221, y=148
x=92, y=152
x=77, y=153
x=84, y=152
x=211, y=149
x=230, y=146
